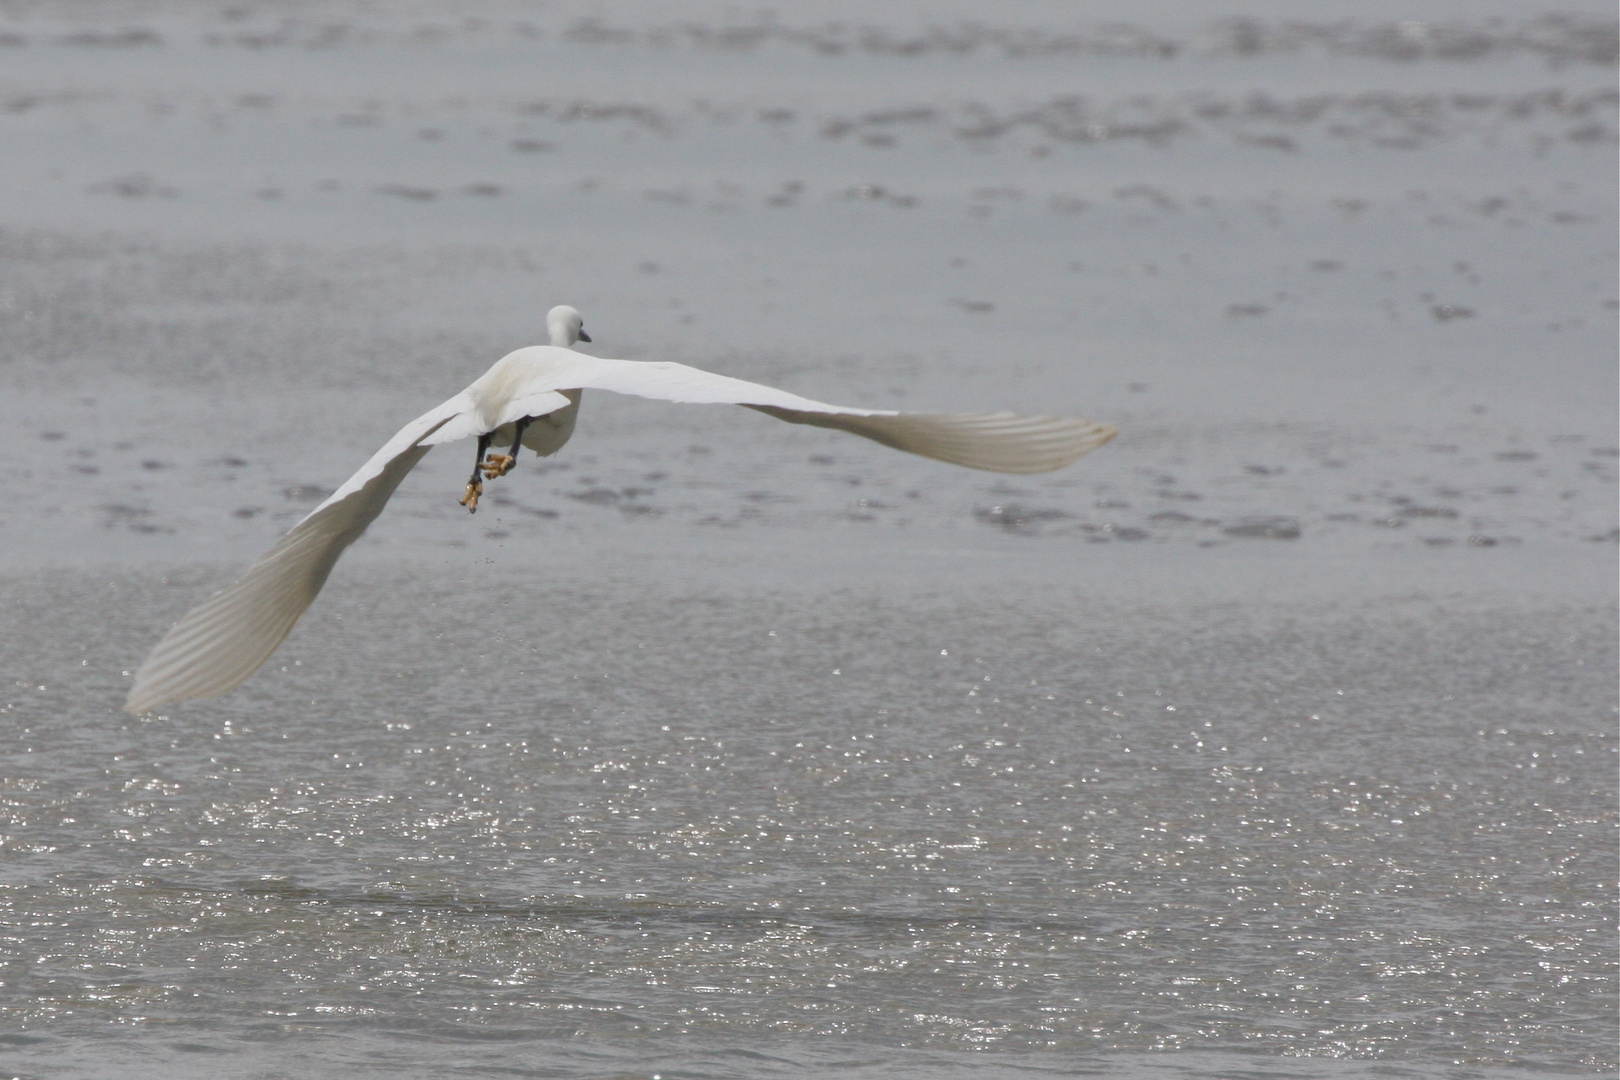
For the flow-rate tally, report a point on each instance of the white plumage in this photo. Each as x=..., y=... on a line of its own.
x=225, y=639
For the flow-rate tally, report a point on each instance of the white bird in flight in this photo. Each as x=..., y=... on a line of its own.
x=531, y=398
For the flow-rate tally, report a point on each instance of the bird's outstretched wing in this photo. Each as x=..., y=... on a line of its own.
x=226, y=638
x=999, y=442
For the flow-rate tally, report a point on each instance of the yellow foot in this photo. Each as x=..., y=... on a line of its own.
x=470, y=500
x=497, y=465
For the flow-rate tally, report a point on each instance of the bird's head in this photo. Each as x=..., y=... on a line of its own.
x=566, y=326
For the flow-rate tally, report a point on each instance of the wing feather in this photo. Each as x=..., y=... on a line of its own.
x=222, y=641
x=667, y=381
x=999, y=442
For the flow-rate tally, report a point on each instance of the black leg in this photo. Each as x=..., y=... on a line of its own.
x=517, y=436
x=475, y=486
x=483, y=448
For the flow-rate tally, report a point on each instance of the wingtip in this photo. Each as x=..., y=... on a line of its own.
x=144, y=698
x=137, y=704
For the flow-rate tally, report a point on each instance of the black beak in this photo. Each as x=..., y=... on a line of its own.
x=583, y=336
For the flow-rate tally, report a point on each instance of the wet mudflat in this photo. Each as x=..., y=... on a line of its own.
x=1275, y=738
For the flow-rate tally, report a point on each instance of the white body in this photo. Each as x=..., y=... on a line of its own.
x=225, y=639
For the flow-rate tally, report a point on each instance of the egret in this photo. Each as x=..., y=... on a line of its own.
x=530, y=398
